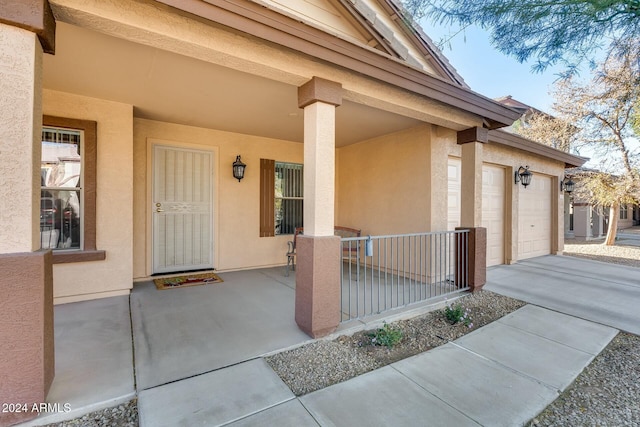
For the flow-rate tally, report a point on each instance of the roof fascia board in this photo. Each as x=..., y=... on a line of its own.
x=515, y=141
x=422, y=41
x=346, y=4
x=251, y=18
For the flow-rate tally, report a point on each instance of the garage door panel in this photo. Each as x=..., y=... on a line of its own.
x=454, y=168
x=493, y=178
x=534, y=218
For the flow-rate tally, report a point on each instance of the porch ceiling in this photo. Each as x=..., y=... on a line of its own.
x=169, y=87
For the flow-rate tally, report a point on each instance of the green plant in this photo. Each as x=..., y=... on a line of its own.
x=386, y=336
x=458, y=314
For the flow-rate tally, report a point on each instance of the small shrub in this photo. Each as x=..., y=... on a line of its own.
x=386, y=336
x=458, y=314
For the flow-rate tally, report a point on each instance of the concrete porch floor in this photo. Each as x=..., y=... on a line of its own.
x=110, y=350
x=176, y=333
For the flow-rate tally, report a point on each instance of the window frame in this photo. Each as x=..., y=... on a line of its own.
x=89, y=251
x=299, y=186
x=268, y=197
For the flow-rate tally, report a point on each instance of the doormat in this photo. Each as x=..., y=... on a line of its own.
x=186, y=281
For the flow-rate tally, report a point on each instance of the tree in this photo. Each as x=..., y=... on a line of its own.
x=604, y=109
x=549, y=130
x=550, y=32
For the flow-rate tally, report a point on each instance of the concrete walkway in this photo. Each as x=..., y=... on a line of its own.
x=592, y=290
x=502, y=374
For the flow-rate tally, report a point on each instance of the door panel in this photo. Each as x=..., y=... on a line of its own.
x=182, y=209
x=493, y=212
x=534, y=218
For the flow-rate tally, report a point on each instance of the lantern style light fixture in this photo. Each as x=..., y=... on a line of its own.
x=523, y=175
x=238, y=168
x=567, y=185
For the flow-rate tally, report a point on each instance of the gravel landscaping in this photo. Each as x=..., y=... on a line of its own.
x=605, y=394
x=323, y=363
x=125, y=415
x=622, y=253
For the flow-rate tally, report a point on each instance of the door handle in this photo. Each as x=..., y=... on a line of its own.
x=159, y=210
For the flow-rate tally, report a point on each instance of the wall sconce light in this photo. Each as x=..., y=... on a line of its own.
x=523, y=174
x=567, y=185
x=238, y=168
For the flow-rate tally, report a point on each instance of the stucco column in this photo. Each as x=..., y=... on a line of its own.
x=582, y=220
x=20, y=144
x=319, y=99
x=26, y=306
x=471, y=203
x=318, y=269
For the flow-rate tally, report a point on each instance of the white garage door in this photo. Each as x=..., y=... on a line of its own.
x=454, y=169
x=534, y=218
x=493, y=212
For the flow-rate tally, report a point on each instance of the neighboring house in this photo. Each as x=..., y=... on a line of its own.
x=587, y=221
x=158, y=98
x=590, y=222
x=526, y=112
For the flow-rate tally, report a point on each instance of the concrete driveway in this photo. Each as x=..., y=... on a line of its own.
x=604, y=293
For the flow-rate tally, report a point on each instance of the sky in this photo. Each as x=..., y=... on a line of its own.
x=492, y=73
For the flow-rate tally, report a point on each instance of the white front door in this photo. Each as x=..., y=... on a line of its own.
x=182, y=209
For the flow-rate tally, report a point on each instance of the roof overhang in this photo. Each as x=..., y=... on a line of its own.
x=251, y=18
x=422, y=41
x=515, y=141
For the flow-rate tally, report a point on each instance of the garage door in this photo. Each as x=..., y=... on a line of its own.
x=534, y=218
x=493, y=212
x=454, y=169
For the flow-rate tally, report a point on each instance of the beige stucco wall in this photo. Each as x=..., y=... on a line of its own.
x=385, y=183
x=398, y=184
x=237, y=240
x=114, y=213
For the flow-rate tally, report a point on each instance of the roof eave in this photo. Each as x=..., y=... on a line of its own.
x=515, y=141
x=251, y=18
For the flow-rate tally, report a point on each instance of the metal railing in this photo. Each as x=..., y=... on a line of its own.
x=381, y=273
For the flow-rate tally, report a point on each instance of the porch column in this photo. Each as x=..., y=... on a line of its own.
x=26, y=306
x=318, y=269
x=471, y=204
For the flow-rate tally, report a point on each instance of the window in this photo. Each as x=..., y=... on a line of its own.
x=624, y=213
x=288, y=197
x=281, y=197
x=68, y=192
x=61, y=192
